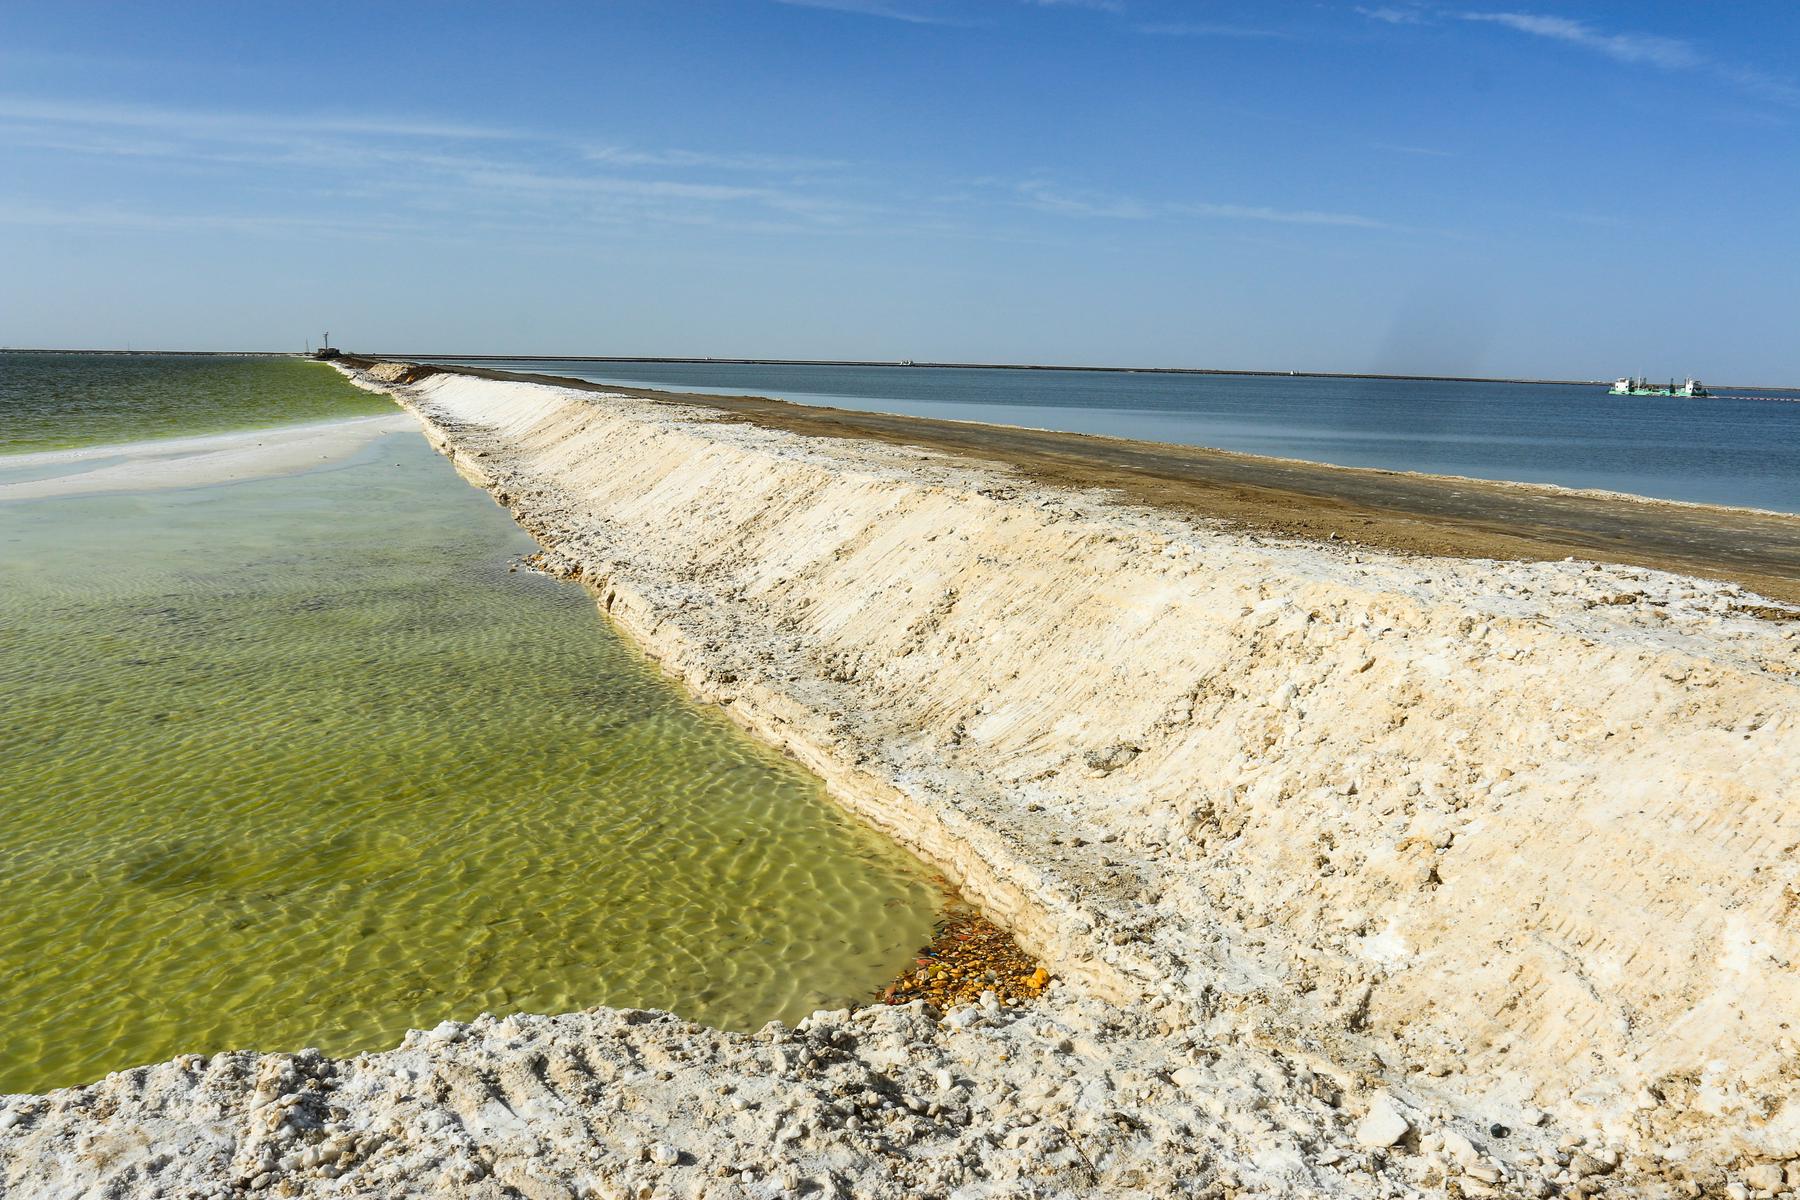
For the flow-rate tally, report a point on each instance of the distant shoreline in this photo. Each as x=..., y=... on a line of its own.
x=958, y=366
x=975, y=366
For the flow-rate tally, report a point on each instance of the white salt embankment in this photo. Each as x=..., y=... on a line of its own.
x=1361, y=875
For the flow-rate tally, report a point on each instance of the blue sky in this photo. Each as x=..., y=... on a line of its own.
x=1542, y=189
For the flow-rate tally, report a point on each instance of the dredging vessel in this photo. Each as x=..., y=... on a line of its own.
x=1625, y=385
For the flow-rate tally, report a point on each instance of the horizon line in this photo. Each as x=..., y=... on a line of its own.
x=918, y=364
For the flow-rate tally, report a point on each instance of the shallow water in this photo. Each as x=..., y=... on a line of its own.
x=1732, y=449
x=52, y=400
x=299, y=762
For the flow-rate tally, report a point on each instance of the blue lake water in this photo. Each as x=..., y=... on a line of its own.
x=1741, y=449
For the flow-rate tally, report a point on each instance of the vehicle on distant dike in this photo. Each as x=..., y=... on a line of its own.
x=1627, y=386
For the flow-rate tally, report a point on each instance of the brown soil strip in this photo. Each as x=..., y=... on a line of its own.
x=1415, y=514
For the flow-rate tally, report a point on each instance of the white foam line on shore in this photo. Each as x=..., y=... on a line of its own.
x=191, y=461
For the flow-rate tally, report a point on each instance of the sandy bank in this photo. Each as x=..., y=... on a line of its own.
x=188, y=461
x=1362, y=873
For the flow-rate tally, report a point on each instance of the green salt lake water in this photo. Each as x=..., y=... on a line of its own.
x=52, y=400
x=299, y=762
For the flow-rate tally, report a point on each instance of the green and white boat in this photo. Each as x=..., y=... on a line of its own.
x=1627, y=386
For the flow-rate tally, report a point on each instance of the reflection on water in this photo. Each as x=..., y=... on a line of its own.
x=299, y=762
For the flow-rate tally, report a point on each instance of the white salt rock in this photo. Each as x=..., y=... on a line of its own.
x=1460, y=1148
x=1766, y=1177
x=1381, y=1126
x=963, y=1018
x=1188, y=1079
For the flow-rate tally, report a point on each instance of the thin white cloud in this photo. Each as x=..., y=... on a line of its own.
x=247, y=125
x=625, y=156
x=110, y=217
x=874, y=8
x=1420, y=151
x=1393, y=16
x=1048, y=198
x=921, y=12
x=660, y=189
x=1280, y=216
x=396, y=167
x=398, y=174
x=1111, y=6
x=1645, y=49
x=1761, y=83
x=668, y=201
x=274, y=140
x=1665, y=52
x=1206, y=29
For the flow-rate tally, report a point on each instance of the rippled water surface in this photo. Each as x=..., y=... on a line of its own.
x=50, y=400
x=298, y=762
